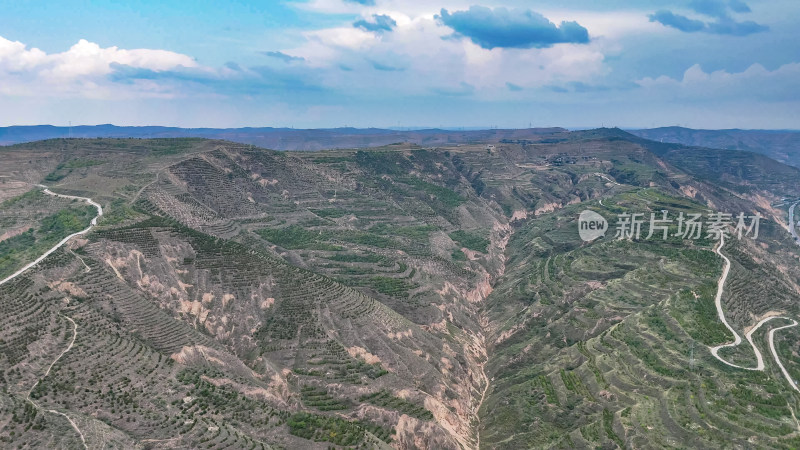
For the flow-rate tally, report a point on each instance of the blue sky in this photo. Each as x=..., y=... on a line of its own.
x=330, y=63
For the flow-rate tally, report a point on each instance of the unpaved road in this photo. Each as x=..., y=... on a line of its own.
x=63, y=241
x=775, y=354
x=74, y=325
x=749, y=336
x=53, y=411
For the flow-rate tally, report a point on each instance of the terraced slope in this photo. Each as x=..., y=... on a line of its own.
x=607, y=344
x=235, y=297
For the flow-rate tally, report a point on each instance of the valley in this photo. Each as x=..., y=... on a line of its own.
x=210, y=294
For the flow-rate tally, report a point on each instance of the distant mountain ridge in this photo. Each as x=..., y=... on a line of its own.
x=277, y=138
x=780, y=145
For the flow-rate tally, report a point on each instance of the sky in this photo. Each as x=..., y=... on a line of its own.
x=412, y=63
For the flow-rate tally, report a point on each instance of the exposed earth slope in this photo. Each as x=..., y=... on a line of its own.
x=237, y=297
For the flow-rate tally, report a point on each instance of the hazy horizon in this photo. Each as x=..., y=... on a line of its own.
x=403, y=128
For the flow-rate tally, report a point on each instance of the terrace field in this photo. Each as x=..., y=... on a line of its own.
x=406, y=297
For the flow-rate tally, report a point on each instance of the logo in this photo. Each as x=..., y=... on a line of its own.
x=591, y=225
x=634, y=226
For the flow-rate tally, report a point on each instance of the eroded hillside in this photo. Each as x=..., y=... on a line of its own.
x=237, y=297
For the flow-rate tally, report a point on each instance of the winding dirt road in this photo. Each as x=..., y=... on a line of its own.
x=53, y=411
x=775, y=353
x=749, y=336
x=63, y=241
x=74, y=325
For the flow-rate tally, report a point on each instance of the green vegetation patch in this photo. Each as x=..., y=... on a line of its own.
x=295, y=237
x=608, y=425
x=361, y=237
x=62, y=170
x=13, y=250
x=320, y=399
x=25, y=247
x=330, y=213
x=385, y=399
x=447, y=197
x=65, y=222
x=334, y=429
x=20, y=201
x=419, y=232
x=118, y=212
x=394, y=287
x=389, y=163
x=458, y=255
x=629, y=172
x=695, y=310
x=470, y=240
x=544, y=383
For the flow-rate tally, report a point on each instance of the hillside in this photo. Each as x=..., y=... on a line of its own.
x=401, y=296
x=783, y=146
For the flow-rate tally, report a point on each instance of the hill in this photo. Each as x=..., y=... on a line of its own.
x=400, y=296
x=782, y=146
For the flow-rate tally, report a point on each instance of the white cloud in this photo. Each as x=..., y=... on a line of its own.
x=432, y=61
x=610, y=24
x=416, y=58
x=82, y=70
x=755, y=82
x=345, y=37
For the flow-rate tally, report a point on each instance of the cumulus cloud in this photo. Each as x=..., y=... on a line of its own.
x=415, y=60
x=507, y=63
x=722, y=26
x=89, y=71
x=81, y=70
x=677, y=21
x=342, y=61
x=511, y=28
x=718, y=9
x=736, y=28
x=379, y=23
x=754, y=83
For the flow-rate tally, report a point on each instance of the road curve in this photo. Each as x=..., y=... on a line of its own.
x=718, y=303
x=63, y=241
x=53, y=411
x=775, y=353
x=749, y=336
x=74, y=325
